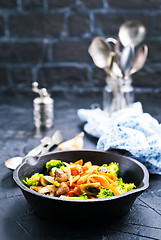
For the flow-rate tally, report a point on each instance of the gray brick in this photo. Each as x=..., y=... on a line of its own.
x=2, y=28
x=21, y=75
x=137, y=4
x=154, y=50
x=148, y=76
x=71, y=51
x=92, y=4
x=79, y=24
x=8, y=4
x=3, y=76
x=14, y=52
x=156, y=24
x=63, y=76
x=37, y=25
x=27, y=4
x=60, y=3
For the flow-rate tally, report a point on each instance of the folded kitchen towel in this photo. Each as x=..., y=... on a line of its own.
x=129, y=129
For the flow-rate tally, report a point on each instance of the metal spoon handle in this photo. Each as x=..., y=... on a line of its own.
x=55, y=140
x=46, y=144
x=37, y=150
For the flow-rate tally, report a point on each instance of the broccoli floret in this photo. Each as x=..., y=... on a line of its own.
x=33, y=180
x=83, y=196
x=54, y=163
x=105, y=192
x=113, y=168
x=124, y=187
x=129, y=186
x=57, y=184
x=105, y=165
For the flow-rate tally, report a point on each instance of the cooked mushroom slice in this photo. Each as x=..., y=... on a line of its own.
x=52, y=189
x=43, y=190
x=60, y=176
x=62, y=189
x=91, y=189
x=47, y=189
x=51, y=194
x=46, y=180
x=102, y=169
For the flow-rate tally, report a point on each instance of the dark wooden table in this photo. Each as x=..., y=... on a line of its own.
x=18, y=136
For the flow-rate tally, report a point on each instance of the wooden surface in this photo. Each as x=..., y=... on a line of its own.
x=18, y=136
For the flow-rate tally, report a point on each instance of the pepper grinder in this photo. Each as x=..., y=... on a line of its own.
x=43, y=108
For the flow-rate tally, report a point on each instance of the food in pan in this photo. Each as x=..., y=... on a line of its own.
x=79, y=180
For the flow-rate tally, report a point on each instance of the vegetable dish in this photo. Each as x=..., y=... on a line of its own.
x=79, y=180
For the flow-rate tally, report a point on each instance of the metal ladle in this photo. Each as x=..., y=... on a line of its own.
x=132, y=32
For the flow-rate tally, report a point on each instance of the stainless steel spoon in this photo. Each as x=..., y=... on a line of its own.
x=126, y=59
x=100, y=52
x=46, y=144
x=140, y=59
x=116, y=71
x=131, y=32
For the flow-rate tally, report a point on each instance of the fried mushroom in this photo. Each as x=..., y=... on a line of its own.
x=60, y=176
x=62, y=189
x=46, y=180
x=90, y=189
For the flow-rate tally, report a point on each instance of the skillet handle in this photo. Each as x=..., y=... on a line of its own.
x=30, y=160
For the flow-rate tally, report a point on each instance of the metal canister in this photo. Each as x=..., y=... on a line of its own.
x=43, y=111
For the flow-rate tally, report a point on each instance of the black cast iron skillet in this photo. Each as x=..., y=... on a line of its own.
x=60, y=209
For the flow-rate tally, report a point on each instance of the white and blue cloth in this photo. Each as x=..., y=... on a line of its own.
x=129, y=129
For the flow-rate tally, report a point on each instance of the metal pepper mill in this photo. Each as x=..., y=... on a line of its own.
x=43, y=108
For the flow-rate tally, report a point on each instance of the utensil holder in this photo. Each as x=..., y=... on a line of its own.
x=117, y=94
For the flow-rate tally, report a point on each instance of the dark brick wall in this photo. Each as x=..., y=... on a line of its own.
x=47, y=41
